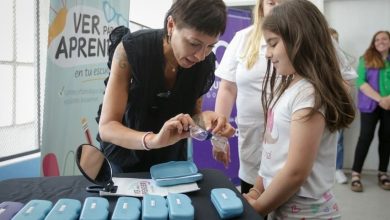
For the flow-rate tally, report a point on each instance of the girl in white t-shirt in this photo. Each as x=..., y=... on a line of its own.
x=304, y=110
x=242, y=71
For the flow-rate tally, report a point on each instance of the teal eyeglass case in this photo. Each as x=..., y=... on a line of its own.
x=34, y=210
x=180, y=207
x=174, y=173
x=65, y=209
x=226, y=202
x=127, y=208
x=154, y=207
x=94, y=208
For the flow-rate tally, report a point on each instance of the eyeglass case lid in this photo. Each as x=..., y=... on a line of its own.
x=226, y=203
x=65, y=209
x=95, y=208
x=154, y=207
x=34, y=209
x=180, y=207
x=173, y=169
x=178, y=180
x=8, y=209
x=127, y=208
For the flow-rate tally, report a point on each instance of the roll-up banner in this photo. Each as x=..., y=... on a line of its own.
x=76, y=68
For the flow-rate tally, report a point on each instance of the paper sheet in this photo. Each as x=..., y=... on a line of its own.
x=140, y=187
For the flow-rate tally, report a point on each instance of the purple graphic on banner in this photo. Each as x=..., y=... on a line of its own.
x=202, y=151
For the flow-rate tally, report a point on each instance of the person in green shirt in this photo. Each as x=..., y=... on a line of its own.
x=374, y=105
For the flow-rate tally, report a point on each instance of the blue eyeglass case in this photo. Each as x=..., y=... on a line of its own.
x=127, y=208
x=180, y=207
x=94, y=208
x=174, y=173
x=34, y=210
x=8, y=209
x=226, y=202
x=154, y=207
x=65, y=209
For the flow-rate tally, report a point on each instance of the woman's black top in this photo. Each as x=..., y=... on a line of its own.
x=150, y=104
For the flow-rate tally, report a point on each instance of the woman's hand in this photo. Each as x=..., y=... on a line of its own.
x=220, y=127
x=173, y=130
x=385, y=103
x=217, y=123
x=222, y=156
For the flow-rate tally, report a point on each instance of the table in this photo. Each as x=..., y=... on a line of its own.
x=73, y=187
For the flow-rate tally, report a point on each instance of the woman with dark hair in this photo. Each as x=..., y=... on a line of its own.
x=154, y=91
x=374, y=105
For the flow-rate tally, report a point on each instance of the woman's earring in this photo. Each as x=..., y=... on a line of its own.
x=169, y=37
x=292, y=77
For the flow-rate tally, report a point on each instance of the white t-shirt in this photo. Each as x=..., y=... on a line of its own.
x=277, y=140
x=250, y=118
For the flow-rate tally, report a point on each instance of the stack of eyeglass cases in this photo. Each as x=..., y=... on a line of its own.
x=175, y=206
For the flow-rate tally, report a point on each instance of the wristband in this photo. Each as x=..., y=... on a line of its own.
x=256, y=190
x=143, y=141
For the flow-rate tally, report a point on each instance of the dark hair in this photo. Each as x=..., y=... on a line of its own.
x=372, y=58
x=206, y=16
x=305, y=34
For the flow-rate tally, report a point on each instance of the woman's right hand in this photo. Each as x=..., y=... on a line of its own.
x=385, y=103
x=173, y=130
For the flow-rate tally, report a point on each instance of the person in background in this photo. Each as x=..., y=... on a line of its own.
x=340, y=176
x=306, y=107
x=242, y=70
x=374, y=105
x=154, y=91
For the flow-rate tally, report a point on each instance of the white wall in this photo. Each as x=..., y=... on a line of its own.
x=357, y=21
x=150, y=13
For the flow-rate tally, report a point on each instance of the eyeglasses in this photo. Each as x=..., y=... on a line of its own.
x=200, y=134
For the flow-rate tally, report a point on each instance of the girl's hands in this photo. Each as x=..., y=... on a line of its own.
x=251, y=197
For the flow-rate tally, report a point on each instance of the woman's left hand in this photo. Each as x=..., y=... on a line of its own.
x=385, y=103
x=217, y=123
x=222, y=156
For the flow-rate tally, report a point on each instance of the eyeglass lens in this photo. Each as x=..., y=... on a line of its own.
x=200, y=134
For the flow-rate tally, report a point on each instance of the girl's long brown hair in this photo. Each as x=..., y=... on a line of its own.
x=309, y=46
x=372, y=58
